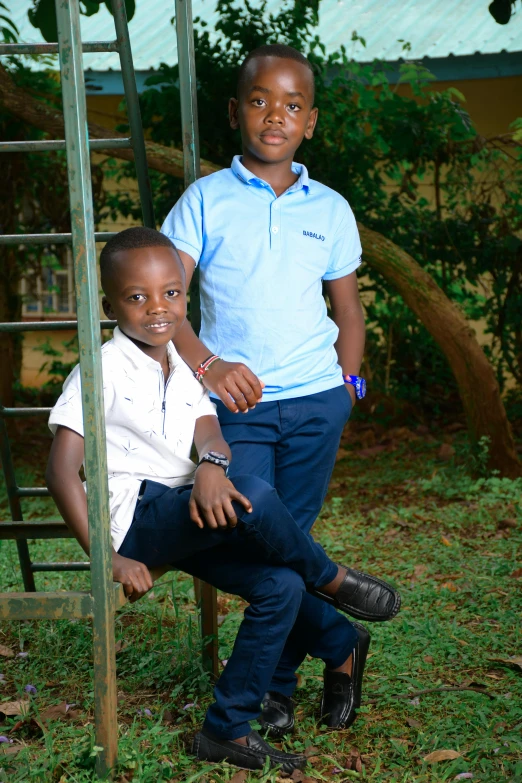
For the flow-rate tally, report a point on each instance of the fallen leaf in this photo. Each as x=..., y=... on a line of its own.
x=61, y=711
x=517, y=573
x=442, y=755
x=120, y=646
x=371, y=452
x=451, y=586
x=463, y=776
x=297, y=775
x=445, y=541
x=341, y=454
x=415, y=724
x=168, y=717
x=446, y=452
x=10, y=750
x=515, y=661
x=428, y=659
x=354, y=761
x=6, y=651
x=419, y=570
x=506, y=524
x=240, y=777
x=312, y=752
x=450, y=607
x=14, y=708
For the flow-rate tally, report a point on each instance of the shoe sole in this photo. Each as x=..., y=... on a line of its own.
x=205, y=749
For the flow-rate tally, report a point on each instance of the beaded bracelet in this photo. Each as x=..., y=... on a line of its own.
x=205, y=366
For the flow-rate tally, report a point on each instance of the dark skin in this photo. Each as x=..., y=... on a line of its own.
x=275, y=113
x=146, y=294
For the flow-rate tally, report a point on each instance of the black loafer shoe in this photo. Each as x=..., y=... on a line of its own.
x=342, y=693
x=364, y=597
x=277, y=714
x=253, y=755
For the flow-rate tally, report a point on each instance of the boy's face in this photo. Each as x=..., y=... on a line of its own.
x=146, y=294
x=274, y=110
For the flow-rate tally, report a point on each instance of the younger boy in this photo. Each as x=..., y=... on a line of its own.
x=265, y=237
x=164, y=510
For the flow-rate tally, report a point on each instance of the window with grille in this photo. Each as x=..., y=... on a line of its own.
x=49, y=291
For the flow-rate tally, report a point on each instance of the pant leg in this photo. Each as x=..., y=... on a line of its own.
x=274, y=595
x=162, y=531
x=305, y=458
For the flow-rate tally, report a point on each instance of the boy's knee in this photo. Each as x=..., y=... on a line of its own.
x=256, y=489
x=280, y=586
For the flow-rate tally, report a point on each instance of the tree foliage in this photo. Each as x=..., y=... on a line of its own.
x=412, y=165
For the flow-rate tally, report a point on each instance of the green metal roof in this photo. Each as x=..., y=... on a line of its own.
x=436, y=29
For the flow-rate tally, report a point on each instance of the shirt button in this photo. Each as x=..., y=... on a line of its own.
x=275, y=205
x=274, y=229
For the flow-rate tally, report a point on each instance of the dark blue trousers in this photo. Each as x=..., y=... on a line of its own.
x=162, y=532
x=292, y=445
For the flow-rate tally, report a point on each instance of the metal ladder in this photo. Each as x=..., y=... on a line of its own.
x=105, y=597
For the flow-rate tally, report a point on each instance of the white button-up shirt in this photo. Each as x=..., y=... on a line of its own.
x=149, y=422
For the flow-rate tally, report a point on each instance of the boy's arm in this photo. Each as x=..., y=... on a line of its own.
x=64, y=483
x=235, y=385
x=213, y=492
x=348, y=315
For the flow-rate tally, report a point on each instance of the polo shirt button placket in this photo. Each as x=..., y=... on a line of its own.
x=275, y=225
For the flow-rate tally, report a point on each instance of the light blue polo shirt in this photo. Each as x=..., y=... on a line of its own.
x=262, y=260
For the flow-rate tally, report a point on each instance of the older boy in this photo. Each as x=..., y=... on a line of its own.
x=265, y=237
x=164, y=510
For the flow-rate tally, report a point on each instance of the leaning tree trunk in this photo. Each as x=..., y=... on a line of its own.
x=478, y=387
x=479, y=391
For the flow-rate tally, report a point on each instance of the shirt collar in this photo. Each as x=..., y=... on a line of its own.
x=140, y=359
x=248, y=178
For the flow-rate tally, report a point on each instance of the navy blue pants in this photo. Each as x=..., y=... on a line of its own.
x=292, y=445
x=162, y=532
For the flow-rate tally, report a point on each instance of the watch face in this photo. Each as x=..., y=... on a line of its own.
x=362, y=388
x=218, y=455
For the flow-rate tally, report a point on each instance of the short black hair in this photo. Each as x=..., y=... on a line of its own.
x=130, y=239
x=283, y=51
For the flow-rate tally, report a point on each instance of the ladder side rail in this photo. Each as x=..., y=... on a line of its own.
x=15, y=507
x=133, y=112
x=207, y=595
x=86, y=288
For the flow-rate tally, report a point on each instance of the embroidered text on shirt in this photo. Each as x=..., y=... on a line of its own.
x=313, y=235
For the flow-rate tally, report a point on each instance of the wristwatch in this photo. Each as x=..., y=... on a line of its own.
x=358, y=383
x=216, y=458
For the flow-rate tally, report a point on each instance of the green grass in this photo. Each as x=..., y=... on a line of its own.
x=439, y=535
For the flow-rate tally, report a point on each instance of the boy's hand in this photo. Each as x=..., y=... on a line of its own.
x=236, y=386
x=134, y=576
x=212, y=496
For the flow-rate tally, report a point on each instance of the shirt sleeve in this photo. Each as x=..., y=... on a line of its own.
x=68, y=409
x=184, y=223
x=346, y=252
x=205, y=406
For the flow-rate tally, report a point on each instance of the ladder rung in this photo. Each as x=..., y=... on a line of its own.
x=33, y=492
x=8, y=413
x=54, y=606
x=52, y=48
x=37, y=567
x=33, y=528
x=50, y=239
x=58, y=144
x=46, y=326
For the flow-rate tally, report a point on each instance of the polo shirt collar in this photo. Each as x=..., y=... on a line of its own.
x=139, y=359
x=248, y=178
